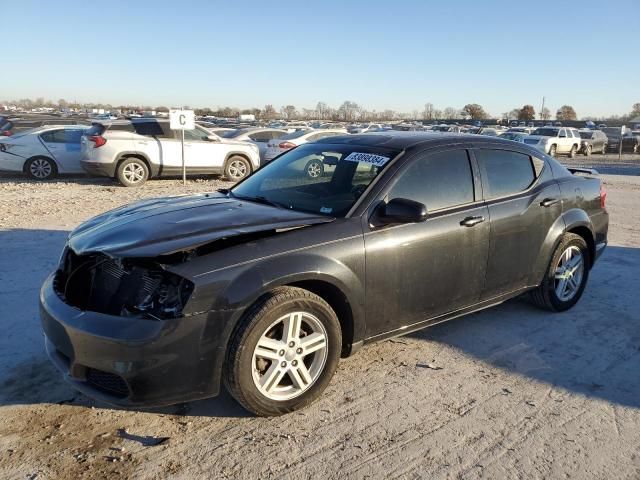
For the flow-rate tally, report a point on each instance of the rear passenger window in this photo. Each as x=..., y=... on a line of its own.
x=54, y=136
x=506, y=173
x=439, y=180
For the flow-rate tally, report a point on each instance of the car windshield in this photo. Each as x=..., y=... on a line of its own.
x=546, y=132
x=318, y=178
x=586, y=135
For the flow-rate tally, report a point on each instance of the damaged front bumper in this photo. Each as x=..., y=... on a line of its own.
x=132, y=361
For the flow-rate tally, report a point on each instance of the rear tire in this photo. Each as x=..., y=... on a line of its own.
x=132, y=172
x=587, y=150
x=267, y=368
x=41, y=168
x=571, y=268
x=604, y=149
x=572, y=152
x=237, y=168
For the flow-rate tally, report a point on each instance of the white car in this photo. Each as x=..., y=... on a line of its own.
x=133, y=151
x=291, y=140
x=555, y=140
x=257, y=135
x=43, y=152
x=369, y=127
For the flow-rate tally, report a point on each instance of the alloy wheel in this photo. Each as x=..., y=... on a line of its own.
x=133, y=172
x=314, y=170
x=237, y=169
x=40, y=168
x=569, y=273
x=290, y=356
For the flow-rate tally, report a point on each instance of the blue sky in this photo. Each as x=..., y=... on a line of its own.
x=381, y=54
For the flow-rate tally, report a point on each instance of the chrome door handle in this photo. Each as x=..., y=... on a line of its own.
x=471, y=221
x=547, y=202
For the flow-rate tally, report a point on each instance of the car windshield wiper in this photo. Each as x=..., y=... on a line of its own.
x=257, y=199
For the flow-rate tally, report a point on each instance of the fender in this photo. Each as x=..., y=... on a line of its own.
x=274, y=272
x=154, y=169
x=246, y=154
x=569, y=220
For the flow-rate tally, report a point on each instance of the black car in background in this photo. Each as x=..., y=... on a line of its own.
x=630, y=141
x=265, y=286
x=592, y=141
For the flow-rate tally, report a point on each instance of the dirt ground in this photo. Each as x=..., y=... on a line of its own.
x=511, y=392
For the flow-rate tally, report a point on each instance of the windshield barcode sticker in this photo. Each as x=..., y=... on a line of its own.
x=377, y=160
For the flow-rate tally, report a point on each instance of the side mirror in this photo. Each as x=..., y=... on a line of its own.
x=402, y=210
x=213, y=138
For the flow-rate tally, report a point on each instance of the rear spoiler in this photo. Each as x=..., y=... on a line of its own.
x=588, y=171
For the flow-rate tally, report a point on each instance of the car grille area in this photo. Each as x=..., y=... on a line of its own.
x=98, y=283
x=108, y=383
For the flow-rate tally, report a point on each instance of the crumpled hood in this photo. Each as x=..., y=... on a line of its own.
x=167, y=225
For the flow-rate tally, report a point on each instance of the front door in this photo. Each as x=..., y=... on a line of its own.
x=419, y=271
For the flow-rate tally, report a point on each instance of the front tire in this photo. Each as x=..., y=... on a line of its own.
x=572, y=152
x=587, y=150
x=132, y=172
x=41, y=168
x=237, y=168
x=283, y=353
x=566, y=276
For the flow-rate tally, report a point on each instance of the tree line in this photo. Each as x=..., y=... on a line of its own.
x=348, y=111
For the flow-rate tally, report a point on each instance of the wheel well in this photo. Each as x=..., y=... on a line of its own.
x=26, y=162
x=133, y=155
x=585, y=233
x=338, y=302
x=241, y=155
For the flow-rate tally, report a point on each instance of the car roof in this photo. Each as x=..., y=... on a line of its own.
x=403, y=140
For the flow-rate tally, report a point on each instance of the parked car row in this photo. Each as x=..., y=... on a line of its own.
x=132, y=151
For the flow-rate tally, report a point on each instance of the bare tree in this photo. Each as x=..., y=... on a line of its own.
x=322, y=110
x=289, y=112
x=451, y=112
x=545, y=114
x=566, y=112
x=269, y=112
x=427, y=113
x=527, y=113
x=475, y=111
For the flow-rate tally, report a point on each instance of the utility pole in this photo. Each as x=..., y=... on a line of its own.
x=542, y=111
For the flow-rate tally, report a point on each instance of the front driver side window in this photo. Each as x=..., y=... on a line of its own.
x=438, y=180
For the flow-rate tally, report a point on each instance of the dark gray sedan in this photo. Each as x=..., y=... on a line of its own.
x=265, y=286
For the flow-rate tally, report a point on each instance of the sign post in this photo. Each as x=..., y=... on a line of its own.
x=622, y=132
x=182, y=120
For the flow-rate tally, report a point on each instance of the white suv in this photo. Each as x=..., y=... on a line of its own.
x=135, y=150
x=555, y=140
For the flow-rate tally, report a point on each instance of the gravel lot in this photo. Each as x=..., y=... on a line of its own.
x=510, y=392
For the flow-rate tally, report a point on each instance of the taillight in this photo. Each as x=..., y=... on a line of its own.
x=603, y=196
x=6, y=133
x=286, y=145
x=98, y=140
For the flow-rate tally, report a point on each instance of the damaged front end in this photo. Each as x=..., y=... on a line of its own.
x=139, y=288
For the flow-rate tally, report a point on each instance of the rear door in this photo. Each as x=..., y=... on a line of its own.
x=65, y=146
x=524, y=202
x=419, y=271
